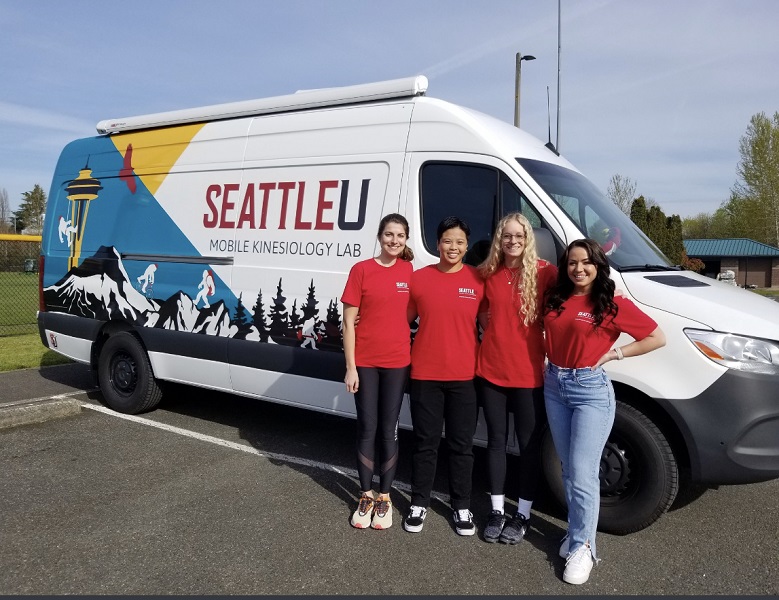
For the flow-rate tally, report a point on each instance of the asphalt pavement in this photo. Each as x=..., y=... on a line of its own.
x=218, y=494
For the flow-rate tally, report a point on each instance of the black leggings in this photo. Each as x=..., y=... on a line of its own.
x=378, y=401
x=527, y=404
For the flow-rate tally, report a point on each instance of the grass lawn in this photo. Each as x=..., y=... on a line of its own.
x=20, y=344
x=25, y=351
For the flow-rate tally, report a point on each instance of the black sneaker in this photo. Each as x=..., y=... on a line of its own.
x=415, y=519
x=494, y=526
x=515, y=530
x=463, y=522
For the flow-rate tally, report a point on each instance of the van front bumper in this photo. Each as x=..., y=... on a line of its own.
x=732, y=429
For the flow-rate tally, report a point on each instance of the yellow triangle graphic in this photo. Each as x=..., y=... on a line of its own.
x=155, y=151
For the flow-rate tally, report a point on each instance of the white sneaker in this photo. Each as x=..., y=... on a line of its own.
x=578, y=565
x=415, y=519
x=463, y=522
x=564, y=547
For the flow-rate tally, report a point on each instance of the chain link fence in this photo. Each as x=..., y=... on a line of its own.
x=19, y=283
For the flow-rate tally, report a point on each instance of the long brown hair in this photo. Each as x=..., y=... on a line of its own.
x=407, y=254
x=527, y=283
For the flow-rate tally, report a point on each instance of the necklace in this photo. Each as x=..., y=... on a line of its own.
x=511, y=274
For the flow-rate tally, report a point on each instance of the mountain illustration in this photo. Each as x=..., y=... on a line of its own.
x=99, y=288
x=180, y=313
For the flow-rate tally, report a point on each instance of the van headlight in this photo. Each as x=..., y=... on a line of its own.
x=737, y=351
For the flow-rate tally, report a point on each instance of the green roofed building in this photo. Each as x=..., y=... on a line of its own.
x=752, y=263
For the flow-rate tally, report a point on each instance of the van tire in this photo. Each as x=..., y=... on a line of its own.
x=639, y=473
x=125, y=375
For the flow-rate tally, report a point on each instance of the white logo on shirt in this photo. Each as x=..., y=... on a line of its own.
x=583, y=315
x=467, y=293
x=402, y=287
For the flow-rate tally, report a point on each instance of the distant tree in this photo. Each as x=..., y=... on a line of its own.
x=756, y=195
x=30, y=214
x=621, y=191
x=656, y=226
x=5, y=212
x=674, y=246
x=698, y=227
x=639, y=213
x=665, y=232
x=742, y=217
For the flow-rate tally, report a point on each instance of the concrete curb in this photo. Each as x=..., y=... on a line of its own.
x=26, y=412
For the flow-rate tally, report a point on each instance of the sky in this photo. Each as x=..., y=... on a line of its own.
x=658, y=91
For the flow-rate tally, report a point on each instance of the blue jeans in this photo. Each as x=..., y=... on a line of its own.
x=580, y=406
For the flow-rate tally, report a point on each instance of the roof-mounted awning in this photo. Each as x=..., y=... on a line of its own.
x=301, y=100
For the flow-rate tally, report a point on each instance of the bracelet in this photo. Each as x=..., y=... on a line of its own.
x=619, y=354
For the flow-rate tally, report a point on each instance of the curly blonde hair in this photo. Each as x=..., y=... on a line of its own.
x=527, y=284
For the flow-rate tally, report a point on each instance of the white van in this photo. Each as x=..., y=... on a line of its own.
x=210, y=247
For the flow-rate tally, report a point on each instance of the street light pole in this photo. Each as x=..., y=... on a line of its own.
x=517, y=81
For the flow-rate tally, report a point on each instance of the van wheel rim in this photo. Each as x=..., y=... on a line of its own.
x=124, y=373
x=614, y=470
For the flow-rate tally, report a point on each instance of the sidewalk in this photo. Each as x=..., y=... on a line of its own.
x=38, y=395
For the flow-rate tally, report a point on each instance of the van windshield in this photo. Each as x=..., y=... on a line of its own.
x=627, y=247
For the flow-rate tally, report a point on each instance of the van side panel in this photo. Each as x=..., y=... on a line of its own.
x=322, y=184
x=225, y=241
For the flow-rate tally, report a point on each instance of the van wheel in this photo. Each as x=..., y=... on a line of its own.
x=125, y=375
x=639, y=477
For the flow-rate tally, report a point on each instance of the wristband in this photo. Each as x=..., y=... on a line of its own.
x=619, y=354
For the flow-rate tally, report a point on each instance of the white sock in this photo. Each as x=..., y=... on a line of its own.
x=523, y=507
x=497, y=501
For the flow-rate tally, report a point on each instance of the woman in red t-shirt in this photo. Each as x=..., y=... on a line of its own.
x=447, y=297
x=510, y=368
x=582, y=320
x=377, y=362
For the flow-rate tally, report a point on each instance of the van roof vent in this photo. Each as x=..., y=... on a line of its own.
x=300, y=100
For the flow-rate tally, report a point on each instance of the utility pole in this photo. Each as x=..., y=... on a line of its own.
x=557, y=143
x=517, y=80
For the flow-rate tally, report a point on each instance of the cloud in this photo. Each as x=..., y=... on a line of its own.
x=25, y=116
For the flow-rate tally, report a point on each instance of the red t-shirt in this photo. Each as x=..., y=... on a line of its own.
x=383, y=337
x=447, y=340
x=512, y=353
x=571, y=341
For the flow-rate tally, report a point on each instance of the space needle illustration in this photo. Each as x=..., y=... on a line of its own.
x=81, y=191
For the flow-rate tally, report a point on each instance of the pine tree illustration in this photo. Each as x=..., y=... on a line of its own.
x=309, y=309
x=258, y=318
x=241, y=319
x=294, y=317
x=279, y=320
x=333, y=325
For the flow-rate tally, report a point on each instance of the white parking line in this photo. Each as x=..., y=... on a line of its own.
x=404, y=487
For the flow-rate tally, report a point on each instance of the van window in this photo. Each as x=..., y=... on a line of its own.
x=596, y=216
x=478, y=194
